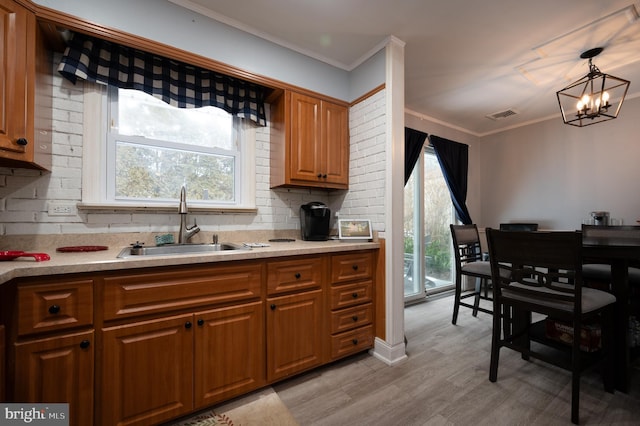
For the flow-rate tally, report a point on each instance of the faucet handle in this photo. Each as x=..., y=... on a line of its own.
x=215, y=238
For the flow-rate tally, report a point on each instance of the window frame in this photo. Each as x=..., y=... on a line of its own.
x=96, y=193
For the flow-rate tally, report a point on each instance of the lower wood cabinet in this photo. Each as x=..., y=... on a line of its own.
x=295, y=334
x=159, y=369
x=57, y=369
x=3, y=380
x=146, y=346
x=147, y=371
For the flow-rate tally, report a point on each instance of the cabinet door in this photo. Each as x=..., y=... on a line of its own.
x=147, y=371
x=16, y=22
x=229, y=352
x=295, y=331
x=57, y=369
x=335, y=138
x=305, y=142
x=3, y=380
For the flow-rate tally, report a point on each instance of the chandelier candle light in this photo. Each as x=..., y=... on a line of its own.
x=594, y=98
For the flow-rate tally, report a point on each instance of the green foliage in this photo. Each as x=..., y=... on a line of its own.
x=439, y=254
x=148, y=172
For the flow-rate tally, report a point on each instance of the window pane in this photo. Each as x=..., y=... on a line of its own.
x=145, y=172
x=140, y=114
x=437, y=217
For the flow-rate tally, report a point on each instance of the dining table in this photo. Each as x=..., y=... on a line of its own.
x=620, y=253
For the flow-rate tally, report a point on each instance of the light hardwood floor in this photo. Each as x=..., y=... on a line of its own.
x=445, y=381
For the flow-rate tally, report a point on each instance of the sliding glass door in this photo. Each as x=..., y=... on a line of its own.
x=428, y=211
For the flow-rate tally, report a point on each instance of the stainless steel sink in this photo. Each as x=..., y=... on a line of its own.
x=177, y=249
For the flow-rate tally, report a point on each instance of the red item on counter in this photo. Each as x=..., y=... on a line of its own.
x=14, y=254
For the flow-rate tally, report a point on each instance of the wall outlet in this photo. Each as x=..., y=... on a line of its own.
x=61, y=209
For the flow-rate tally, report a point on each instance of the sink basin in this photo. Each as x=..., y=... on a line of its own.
x=176, y=249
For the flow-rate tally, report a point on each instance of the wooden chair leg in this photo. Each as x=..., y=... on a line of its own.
x=575, y=397
x=575, y=373
x=456, y=299
x=495, y=345
x=608, y=363
x=476, y=299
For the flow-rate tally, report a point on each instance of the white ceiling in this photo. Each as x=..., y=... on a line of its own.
x=464, y=59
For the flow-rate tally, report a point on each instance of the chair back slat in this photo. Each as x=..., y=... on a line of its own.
x=546, y=265
x=466, y=242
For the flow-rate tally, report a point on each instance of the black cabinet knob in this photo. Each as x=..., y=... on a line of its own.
x=54, y=309
x=273, y=307
x=187, y=324
x=84, y=344
x=22, y=142
x=324, y=176
x=298, y=275
x=354, y=318
x=319, y=176
x=355, y=267
x=354, y=341
x=354, y=295
x=200, y=322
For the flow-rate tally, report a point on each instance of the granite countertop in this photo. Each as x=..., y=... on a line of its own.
x=107, y=260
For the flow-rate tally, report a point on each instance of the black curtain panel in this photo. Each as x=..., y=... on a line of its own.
x=176, y=83
x=413, y=143
x=454, y=162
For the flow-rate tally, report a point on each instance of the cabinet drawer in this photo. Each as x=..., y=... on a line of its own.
x=137, y=294
x=351, y=342
x=353, y=266
x=295, y=275
x=54, y=306
x=350, y=318
x=343, y=296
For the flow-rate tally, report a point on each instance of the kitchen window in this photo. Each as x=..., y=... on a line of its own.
x=147, y=150
x=150, y=149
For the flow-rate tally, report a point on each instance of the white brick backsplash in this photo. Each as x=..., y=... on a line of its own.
x=25, y=194
x=366, y=195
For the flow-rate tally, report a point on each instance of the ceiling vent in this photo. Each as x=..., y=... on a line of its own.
x=501, y=114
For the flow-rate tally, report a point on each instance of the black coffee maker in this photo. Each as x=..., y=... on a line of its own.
x=314, y=221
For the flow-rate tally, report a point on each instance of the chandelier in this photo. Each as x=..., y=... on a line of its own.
x=595, y=98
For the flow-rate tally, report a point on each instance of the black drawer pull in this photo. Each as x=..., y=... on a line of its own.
x=84, y=344
x=319, y=175
x=354, y=341
x=22, y=142
x=355, y=267
x=297, y=275
x=54, y=309
x=354, y=295
x=273, y=307
x=354, y=318
x=200, y=322
x=187, y=324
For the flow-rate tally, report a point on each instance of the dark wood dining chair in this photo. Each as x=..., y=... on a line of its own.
x=598, y=274
x=468, y=258
x=546, y=278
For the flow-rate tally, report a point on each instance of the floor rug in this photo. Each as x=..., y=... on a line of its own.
x=262, y=407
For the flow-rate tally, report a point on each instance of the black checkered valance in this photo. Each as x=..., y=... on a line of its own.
x=176, y=83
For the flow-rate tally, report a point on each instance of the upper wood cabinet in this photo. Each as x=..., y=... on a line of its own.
x=25, y=90
x=309, y=142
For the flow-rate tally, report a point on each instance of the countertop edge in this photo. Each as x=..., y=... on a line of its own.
x=107, y=260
